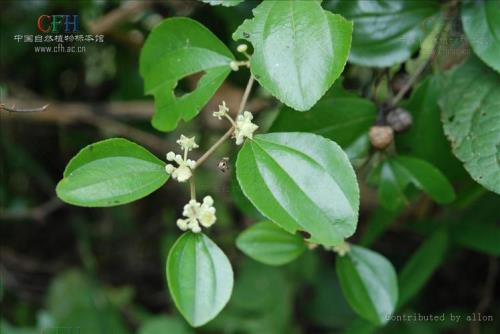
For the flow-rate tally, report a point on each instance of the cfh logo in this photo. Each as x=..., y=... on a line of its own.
x=57, y=23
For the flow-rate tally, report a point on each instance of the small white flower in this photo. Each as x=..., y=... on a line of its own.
x=207, y=212
x=183, y=171
x=244, y=127
x=242, y=48
x=197, y=213
x=182, y=224
x=186, y=143
x=342, y=249
x=222, y=110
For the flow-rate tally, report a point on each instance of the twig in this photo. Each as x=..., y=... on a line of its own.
x=38, y=213
x=117, y=16
x=67, y=113
x=119, y=128
x=229, y=132
x=246, y=94
x=14, y=109
x=214, y=147
x=192, y=187
x=409, y=84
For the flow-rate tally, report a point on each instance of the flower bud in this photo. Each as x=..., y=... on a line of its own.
x=234, y=65
x=242, y=48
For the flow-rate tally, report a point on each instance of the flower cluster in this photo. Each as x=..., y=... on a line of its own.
x=185, y=166
x=197, y=214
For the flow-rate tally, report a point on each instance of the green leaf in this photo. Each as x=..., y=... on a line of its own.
x=302, y=182
x=425, y=139
x=391, y=191
x=164, y=325
x=199, y=277
x=471, y=120
x=422, y=265
x=479, y=236
x=369, y=283
x=385, y=32
x=111, y=172
x=177, y=48
x=481, y=22
x=270, y=244
x=425, y=177
x=396, y=173
x=225, y=3
x=341, y=119
x=299, y=49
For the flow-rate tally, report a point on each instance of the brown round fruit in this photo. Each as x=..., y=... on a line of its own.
x=399, y=119
x=381, y=136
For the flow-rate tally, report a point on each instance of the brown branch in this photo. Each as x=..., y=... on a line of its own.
x=413, y=79
x=108, y=124
x=14, y=109
x=70, y=113
x=125, y=12
x=38, y=213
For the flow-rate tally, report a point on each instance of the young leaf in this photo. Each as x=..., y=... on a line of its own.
x=270, y=244
x=391, y=187
x=425, y=177
x=341, y=119
x=111, y=172
x=369, y=283
x=471, y=120
x=177, y=48
x=299, y=49
x=302, y=182
x=385, y=32
x=199, y=277
x=396, y=173
x=421, y=265
x=481, y=22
